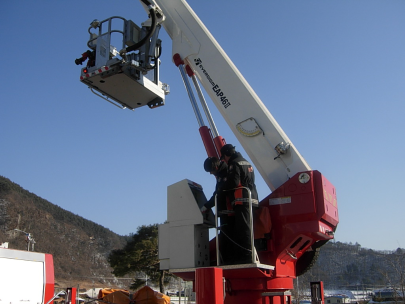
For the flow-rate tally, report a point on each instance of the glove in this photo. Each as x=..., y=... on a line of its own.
x=203, y=209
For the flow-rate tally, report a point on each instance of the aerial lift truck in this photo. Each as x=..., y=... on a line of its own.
x=289, y=225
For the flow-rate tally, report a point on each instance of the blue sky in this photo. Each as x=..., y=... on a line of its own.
x=330, y=72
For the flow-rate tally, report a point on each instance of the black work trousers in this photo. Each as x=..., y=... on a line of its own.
x=234, y=239
x=225, y=243
x=243, y=247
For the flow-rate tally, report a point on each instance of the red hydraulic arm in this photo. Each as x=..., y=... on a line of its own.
x=212, y=142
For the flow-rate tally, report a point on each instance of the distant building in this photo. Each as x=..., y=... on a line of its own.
x=337, y=299
x=386, y=296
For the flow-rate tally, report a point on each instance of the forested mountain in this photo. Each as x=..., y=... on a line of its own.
x=348, y=266
x=79, y=247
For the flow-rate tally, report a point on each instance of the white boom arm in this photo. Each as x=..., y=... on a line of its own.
x=269, y=148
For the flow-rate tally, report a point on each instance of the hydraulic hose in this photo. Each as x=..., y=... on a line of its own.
x=147, y=37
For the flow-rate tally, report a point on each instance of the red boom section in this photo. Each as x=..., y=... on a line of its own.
x=303, y=212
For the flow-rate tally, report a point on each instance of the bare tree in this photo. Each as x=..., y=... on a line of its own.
x=394, y=273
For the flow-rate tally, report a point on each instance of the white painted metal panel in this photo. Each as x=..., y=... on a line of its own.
x=184, y=239
x=21, y=281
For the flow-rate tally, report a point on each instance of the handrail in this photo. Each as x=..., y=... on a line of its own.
x=108, y=32
x=250, y=223
x=59, y=293
x=99, y=95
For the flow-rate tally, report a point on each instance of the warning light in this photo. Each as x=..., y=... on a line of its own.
x=85, y=71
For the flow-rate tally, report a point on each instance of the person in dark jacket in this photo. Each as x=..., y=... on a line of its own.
x=240, y=174
x=220, y=170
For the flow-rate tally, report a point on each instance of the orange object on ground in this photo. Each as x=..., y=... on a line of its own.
x=116, y=296
x=147, y=295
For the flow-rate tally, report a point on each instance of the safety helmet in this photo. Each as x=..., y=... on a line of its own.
x=208, y=164
x=227, y=150
x=211, y=164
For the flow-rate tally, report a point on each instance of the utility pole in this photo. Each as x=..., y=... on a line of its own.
x=29, y=239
